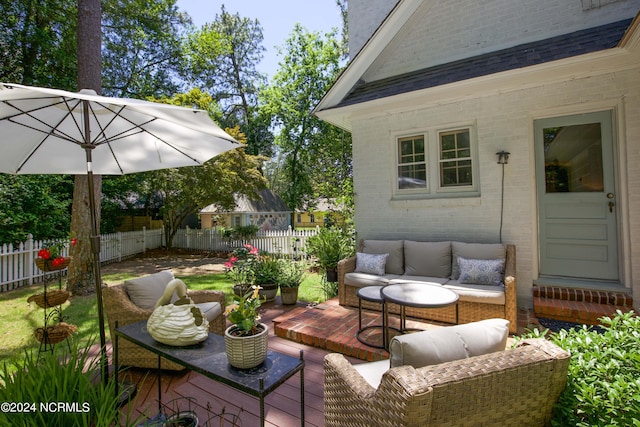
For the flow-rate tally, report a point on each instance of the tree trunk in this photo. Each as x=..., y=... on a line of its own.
x=89, y=77
x=81, y=267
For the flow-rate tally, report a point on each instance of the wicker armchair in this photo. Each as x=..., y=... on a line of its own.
x=514, y=387
x=119, y=307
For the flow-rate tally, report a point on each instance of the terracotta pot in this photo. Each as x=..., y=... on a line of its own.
x=289, y=295
x=246, y=352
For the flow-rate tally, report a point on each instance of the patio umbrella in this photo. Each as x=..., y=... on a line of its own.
x=50, y=131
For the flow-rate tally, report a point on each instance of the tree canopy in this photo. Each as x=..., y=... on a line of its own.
x=151, y=50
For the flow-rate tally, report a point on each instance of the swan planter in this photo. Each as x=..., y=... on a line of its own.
x=178, y=324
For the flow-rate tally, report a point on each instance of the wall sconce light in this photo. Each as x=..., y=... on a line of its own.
x=503, y=157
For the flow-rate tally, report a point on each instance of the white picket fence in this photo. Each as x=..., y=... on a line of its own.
x=17, y=267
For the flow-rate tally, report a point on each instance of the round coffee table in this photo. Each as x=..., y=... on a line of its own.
x=372, y=294
x=417, y=294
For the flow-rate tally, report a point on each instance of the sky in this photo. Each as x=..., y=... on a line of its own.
x=277, y=18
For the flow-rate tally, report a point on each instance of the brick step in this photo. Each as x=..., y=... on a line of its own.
x=575, y=311
x=578, y=305
x=585, y=295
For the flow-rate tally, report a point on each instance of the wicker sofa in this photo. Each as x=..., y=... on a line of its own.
x=512, y=387
x=436, y=263
x=145, y=290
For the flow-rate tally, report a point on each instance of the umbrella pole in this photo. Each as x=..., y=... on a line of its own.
x=95, y=246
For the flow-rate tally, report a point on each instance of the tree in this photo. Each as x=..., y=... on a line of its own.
x=89, y=77
x=184, y=191
x=142, y=47
x=314, y=156
x=222, y=59
x=34, y=204
x=38, y=42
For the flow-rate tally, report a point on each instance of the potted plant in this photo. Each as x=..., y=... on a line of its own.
x=50, y=255
x=246, y=339
x=291, y=275
x=240, y=268
x=266, y=271
x=329, y=246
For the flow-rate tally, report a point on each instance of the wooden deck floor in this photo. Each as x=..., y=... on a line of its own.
x=224, y=406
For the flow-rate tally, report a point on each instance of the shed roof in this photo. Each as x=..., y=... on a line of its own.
x=268, y=201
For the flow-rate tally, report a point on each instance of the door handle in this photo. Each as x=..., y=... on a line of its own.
x=611, y=205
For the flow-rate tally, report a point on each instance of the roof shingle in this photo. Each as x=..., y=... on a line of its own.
x=524, y=55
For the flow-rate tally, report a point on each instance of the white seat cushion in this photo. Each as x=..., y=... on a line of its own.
x=373, y=371
x=449, y=343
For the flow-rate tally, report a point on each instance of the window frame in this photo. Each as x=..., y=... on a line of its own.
x=432, y=141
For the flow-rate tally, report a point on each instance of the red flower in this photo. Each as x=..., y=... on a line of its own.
x=56, y=262
x=44, y=254
x=252, y=249
x=74, y=241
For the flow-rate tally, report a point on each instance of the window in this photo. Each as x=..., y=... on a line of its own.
x=455, y=159
x=412, y=166
x=443, y=168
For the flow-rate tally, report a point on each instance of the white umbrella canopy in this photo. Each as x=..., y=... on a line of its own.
x=50, y=131
x=41, y=129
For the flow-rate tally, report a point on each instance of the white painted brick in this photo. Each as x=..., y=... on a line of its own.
x=503, y=122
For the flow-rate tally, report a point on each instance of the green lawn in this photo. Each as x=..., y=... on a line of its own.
x=19, y=319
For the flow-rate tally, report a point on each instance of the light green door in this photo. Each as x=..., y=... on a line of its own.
x=576, y=196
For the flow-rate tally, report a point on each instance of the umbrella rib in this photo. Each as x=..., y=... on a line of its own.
x=140, y=130
x=53, y=130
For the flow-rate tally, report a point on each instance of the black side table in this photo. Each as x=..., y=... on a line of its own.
x=372, y=294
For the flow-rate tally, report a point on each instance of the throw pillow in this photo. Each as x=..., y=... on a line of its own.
x=475, y=251
x=371, y=263
x=146, y=291
x=481, y=271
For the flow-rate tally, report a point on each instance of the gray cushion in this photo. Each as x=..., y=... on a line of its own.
x=146, y=291
x=481, y=271
x=449, y=343
x=211, y=310
x=371, y=263
x=475, y=251
x=432, y=259
x=484, y=294
x=426, y=279
x=365, y=279
x=395, y=262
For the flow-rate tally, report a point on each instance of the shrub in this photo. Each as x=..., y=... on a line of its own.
x=44, y=381
x=603, y=384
